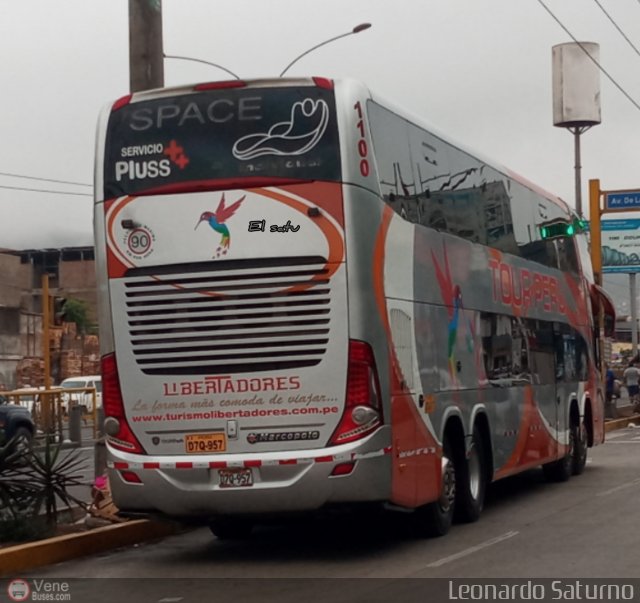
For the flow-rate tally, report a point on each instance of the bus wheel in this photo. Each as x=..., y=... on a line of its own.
x=230, y=528
x=580, y=447
x=435, y=519
x=561, y=470
x=472, y=481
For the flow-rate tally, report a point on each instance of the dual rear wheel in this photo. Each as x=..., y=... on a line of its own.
x=464, y=484
x=575, y=460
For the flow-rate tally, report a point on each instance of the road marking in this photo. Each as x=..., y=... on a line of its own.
x=170, y=600
x=633, y=441
x=473, y=549
x=635, y=482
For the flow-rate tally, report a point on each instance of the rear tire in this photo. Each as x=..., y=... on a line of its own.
x=472, y=481
x=435, y=519
x=561, y=470
x=231, y=528
x=580, y=449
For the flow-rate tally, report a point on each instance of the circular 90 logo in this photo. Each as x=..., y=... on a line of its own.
x=139, y=241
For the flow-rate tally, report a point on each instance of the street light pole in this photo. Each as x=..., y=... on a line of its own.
x=173, y=56
x=355, y=30
x=145, y=45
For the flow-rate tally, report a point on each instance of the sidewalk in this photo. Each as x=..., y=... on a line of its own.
x=623, y=415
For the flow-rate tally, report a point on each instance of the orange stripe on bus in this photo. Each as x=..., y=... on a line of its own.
x=330, y=232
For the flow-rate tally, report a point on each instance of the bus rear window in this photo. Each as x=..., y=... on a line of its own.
x=220, y=134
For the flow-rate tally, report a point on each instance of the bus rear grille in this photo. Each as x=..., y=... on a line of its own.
x=225, y=317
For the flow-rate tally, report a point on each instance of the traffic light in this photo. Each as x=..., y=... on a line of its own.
x=562, y=228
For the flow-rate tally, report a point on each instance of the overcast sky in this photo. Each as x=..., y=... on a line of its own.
x=479, y=70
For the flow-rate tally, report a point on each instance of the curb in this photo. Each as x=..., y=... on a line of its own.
x=27, y=556
x=613, y=424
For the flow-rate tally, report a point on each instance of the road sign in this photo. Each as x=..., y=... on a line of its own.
x=620, y=245
x=622, y=200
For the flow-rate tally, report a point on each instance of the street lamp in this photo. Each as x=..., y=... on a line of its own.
x=576, y=96
x=173, y=56
x=355, y=30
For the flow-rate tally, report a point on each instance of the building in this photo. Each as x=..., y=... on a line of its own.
x=71, y=275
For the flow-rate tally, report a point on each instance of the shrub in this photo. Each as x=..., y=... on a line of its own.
x=33, y=484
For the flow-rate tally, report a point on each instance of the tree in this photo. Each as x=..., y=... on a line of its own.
x=76, y=310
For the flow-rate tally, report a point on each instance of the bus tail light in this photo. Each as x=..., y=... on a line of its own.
x=130, y=477
x=115, y=422
x=363, y=408
x=219, y=85
x=323, y=82
x=121, y=102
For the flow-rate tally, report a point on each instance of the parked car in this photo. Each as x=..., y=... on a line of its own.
x=84, y=399
x=15, y=422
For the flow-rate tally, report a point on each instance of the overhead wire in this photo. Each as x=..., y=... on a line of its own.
x=600, y=67
x=44, y=179
x=618, y=27
x=39, y=190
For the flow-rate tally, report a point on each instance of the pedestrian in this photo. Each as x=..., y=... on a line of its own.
x=610, y=384
x=631, y=378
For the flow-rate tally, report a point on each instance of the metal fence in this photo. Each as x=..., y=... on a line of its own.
x=53, y=410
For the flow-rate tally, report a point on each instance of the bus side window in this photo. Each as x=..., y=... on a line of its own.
x=542, y=351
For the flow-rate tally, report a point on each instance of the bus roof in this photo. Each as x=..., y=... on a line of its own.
x=338, y=83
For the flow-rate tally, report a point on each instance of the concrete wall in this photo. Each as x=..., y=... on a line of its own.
x=15, y=279
x=78, y=280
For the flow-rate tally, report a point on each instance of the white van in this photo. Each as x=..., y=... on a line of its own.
x=84, y=399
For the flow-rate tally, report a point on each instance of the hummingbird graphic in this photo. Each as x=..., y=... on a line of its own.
x=217, y=221
x=452, y=295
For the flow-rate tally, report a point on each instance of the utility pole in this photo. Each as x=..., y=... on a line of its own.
x=146, y=68
x=46, y=353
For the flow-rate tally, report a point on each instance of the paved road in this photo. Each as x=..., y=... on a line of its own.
x=530, y=529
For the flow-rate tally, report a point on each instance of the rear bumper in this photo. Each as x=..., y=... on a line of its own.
x=188, y=486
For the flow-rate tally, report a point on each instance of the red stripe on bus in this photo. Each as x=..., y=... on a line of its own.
x=217, y=465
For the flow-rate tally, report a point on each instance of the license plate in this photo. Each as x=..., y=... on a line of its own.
x=201, y=443
x=235, y=478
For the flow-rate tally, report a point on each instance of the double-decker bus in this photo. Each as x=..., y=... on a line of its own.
x=308, y=298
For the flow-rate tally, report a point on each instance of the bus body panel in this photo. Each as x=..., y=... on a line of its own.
x=267, y=299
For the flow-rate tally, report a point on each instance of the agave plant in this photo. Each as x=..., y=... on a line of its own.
x=17, y=495
x=35, y=482
x=51, y=473
x=14, y=488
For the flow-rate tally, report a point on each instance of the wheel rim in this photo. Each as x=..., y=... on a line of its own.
x=448, y=495
x=475, y=476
